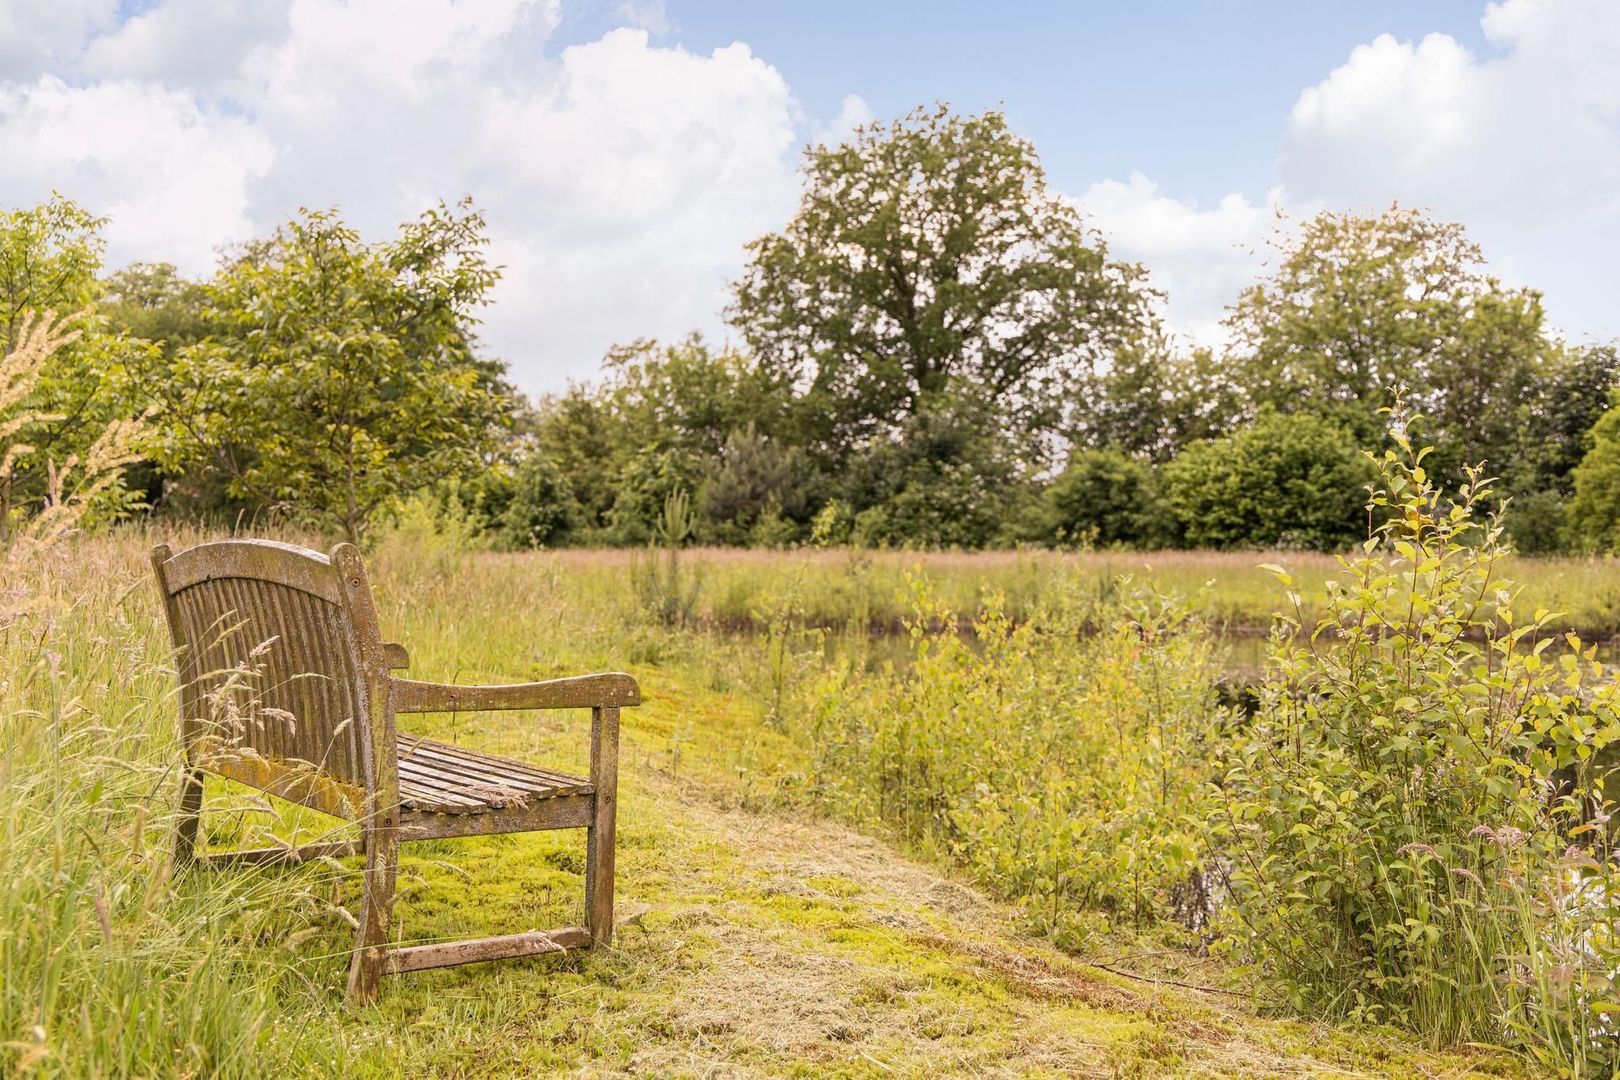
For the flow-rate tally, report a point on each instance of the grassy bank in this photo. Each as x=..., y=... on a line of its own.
x=1230, y=590
x=771, y=941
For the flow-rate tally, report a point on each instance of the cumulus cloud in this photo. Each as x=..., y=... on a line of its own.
x=1522, y=145
x=196, y=44
x=648, y=15
x=620, y=178
x=171, y=174
x=37, y=36
x=1200, y=258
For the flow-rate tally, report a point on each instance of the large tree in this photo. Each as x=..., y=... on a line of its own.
x=1361, y=309
x=1152, y=400
x=338, y=375
x=928, y=258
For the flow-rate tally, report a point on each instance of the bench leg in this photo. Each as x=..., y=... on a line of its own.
x=376, y=910
x=599, y=836
x=185, y=832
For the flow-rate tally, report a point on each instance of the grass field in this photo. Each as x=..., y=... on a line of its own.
x=769, y=941
x=832, y=588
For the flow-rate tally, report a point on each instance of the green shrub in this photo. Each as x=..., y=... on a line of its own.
x=1061, y=759
x=542, y=511
x=832, y=524
x=644, y=485
x=1400, y=814
x=1286, y=481
x=1594, y=513
x=1110, y=499
x=752, y=491
x=1535, y=522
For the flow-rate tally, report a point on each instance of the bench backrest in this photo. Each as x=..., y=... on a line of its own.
x=282, y=675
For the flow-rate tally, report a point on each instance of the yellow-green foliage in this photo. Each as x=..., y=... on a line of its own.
x=1415, y=819
x=1061, y=758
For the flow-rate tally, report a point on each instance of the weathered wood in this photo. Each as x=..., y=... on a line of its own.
x=286, y=686
x=599, y=841
x=461, y=759
x=567, y=812
x=379, y=749
x=191, y=778
x=260, y=560
x=376, y=908
x=280, y=856
x=427, y=767
x=298, y=782
x=185, y=832
x=612, y=688
x=478, y=950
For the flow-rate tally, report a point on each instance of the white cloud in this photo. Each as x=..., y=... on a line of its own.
x=37, y=36
x=1199, y=258
x=648, y=15
x=628, y=187
x=1523, y=146
x=199, y=44
x=170, y=173
x=620, y=179
x=853, y=112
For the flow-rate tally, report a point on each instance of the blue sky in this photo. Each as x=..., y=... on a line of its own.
x=625, y=150
x=1192, y=93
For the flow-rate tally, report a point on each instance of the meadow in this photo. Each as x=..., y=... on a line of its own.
x=985, y=859
x=1232, y=591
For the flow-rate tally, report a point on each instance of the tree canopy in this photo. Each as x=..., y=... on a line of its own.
x=929, y=258
x=1362, y=309
x=336, y=375
x=935, y=350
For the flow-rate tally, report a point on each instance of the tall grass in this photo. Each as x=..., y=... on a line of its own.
x=109, y=965
x=1412, y=830
x=1061, y=758
x=1229, y=590
x=1057, y=739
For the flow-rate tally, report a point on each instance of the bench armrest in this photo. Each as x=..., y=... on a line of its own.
x=612, y=689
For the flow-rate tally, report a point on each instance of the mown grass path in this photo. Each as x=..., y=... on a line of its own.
x=770, y=944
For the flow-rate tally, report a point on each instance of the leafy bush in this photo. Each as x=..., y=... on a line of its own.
x=1062, y=759
x=645, y=484
x=542, y=510
x=74, y=488
x=1286, y=481
x=1400, y=815
x=750, y=489
x=1594, y=513
x=1107, y=498
x=1535, y=522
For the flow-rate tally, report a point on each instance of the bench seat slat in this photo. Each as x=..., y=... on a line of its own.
x=455, y=786
x=440, y=779
x=460, y=758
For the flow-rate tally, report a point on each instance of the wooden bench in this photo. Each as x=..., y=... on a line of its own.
x=287, y=685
